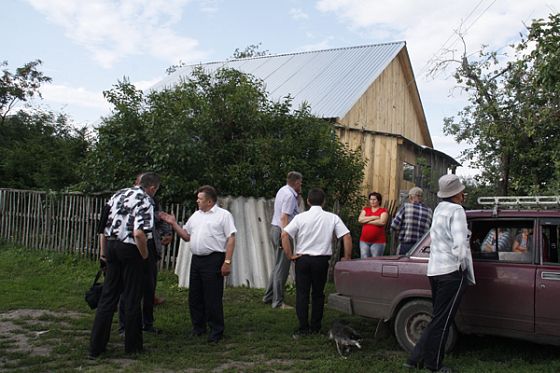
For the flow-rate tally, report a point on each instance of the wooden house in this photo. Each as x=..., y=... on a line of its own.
x=369, y=93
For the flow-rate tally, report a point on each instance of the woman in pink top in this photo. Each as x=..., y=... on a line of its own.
x=373, y=220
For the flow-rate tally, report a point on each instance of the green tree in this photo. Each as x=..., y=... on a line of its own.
x=40, y=150
x=512, y=120
x=219, y=129
x=21, y=86
x=252, y=50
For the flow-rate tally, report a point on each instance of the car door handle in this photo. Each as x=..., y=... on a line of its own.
x=550, y=276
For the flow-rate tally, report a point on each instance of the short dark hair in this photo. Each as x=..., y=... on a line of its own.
x=316, y=197
x=210, y=192
x=149, y=179
x=376, y=195
x=294, y=176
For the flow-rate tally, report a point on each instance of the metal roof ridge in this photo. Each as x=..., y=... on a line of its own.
x=227, y=60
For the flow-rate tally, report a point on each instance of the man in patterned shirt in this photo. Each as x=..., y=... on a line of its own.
x=411, y=221
x=129, y=227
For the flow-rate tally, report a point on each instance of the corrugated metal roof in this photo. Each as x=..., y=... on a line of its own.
x=330, y=81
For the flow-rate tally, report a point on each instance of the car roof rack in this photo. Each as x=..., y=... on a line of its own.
x=530, y=202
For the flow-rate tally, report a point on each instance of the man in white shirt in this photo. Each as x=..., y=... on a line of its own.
x=313, y=231
x=285, y=208
x=450, y=270
x=211, y=232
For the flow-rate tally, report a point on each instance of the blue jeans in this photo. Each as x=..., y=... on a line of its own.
x=368, y=250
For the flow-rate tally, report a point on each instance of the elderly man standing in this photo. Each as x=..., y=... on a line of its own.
x=450, y=270
x=285, y=208
x=211, y=232
x=313, y=231
x=411, y=221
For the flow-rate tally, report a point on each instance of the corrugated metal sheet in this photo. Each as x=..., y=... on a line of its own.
x=253, y=257
x=330, y=81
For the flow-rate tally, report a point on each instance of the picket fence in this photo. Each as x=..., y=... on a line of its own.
x=63, y=222
x=67, y=222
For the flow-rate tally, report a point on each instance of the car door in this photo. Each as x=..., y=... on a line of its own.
x=547, y=306
x=502, y=301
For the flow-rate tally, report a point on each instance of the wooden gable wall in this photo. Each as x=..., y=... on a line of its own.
x=391, y=105
x=388, y=111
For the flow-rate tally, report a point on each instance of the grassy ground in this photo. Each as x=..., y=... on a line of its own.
x=45, y=325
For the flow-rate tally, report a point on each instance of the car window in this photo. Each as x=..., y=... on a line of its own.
x=502, y=240
x=550, y=241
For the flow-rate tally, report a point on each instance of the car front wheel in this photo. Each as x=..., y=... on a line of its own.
x=411, y=321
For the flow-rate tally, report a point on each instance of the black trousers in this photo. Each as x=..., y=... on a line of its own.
x=447, y=291
x=311, y=277
x=125, y=269
x=206, y=292
x=149, y=290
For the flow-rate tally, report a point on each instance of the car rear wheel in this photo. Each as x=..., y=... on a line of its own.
x=411, y=321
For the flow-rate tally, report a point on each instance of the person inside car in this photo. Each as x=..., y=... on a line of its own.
x=523, y=241
x=489, y=243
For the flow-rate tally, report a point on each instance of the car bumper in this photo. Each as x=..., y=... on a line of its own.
x=340, y=303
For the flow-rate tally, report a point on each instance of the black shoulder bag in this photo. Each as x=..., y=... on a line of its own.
x=94, y=293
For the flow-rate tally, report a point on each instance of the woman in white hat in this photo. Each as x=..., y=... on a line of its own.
x=450, y=270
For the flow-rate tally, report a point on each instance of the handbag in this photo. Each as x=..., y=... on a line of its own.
x=93, y=295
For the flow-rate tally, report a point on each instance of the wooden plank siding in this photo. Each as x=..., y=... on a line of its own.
x=389, y=106
x=387, y=124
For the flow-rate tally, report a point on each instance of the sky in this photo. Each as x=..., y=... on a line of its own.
x=88, y=46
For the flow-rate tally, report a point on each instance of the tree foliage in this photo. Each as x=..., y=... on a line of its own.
x=40, y=150
x=223, y=130
x=513, y=117
x=253, y=50
x=19, y=86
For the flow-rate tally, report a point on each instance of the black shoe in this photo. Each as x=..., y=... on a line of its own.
x=92, y=356
x=196, y=333
x=151, y=329
x=443, y=369
x=299, y=333
x=213, y=340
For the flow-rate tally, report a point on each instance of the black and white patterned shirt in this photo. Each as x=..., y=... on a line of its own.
x=130, y=209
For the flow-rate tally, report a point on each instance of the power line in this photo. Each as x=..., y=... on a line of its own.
x=453, y=34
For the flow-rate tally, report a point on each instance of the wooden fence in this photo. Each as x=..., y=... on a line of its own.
x=64, y=222
x=67, y=222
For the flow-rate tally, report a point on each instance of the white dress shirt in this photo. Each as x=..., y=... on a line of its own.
x=450, y=248
x=313, y=231
x=210, y=230
x=285, y=203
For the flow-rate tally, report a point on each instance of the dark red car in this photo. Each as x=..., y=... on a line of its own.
x=517, y=291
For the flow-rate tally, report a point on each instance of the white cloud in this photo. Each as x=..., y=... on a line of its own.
x=146, y=84
x=210, y=6
x=74, y=96
x=113, y=30
x=323, y=44
x=298, y=14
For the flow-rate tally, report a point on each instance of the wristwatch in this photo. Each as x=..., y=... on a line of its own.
x=227, y=261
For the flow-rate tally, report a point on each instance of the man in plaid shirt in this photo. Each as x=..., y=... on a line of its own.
x=411, y=221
